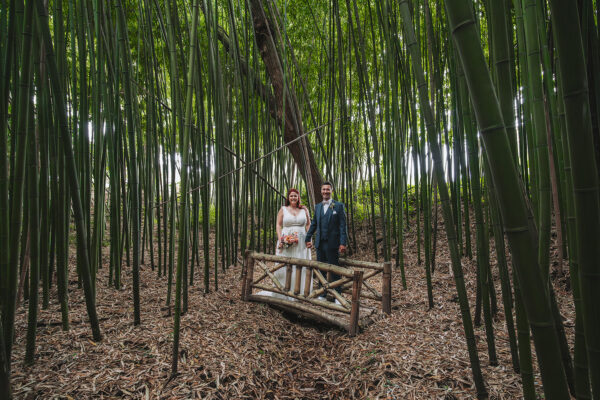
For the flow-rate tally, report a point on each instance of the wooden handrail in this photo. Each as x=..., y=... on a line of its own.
x=304, y=263
x=361, y=264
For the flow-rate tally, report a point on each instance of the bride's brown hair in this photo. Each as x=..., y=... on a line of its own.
x=287, y=198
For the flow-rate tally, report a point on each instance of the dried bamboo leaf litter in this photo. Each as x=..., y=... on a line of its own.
x=234, y=349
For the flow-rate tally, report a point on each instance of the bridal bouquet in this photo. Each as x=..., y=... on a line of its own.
x=289, y=240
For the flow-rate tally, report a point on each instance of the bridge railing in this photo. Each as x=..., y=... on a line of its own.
x=259, y=273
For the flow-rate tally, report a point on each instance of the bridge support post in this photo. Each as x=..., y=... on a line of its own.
x=355, y=310
x=248, y=275
x=307, y=281
x=244, y=275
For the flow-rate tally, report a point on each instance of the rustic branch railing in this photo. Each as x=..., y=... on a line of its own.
x=309, y=302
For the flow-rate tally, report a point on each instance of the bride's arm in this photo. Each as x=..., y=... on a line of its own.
x=307, y=219
x=279, y=225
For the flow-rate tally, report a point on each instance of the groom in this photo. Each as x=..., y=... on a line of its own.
x=329, y=226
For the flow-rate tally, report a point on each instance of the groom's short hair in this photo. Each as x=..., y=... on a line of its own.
x=327, y=183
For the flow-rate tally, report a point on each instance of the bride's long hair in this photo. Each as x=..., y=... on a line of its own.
x=287, y=198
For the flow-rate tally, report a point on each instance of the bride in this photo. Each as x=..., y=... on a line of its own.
x=293, y=221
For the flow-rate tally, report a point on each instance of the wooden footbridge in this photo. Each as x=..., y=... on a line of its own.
x=356, y=281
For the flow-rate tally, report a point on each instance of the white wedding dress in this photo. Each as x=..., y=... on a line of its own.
x=291, y=224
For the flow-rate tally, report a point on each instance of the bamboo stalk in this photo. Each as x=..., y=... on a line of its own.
x=33, y=239
x=23, y=108
x=132, y=166
x=386, y=290
x=575, y=91
x=43, y=28
x=443, y=192
x=510, y=199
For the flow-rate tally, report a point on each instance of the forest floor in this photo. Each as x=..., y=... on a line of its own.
x=232, y=349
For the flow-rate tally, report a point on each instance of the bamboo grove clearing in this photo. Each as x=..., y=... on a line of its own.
x=153, y=143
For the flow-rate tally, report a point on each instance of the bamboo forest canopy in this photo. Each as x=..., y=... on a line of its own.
x=148, y=127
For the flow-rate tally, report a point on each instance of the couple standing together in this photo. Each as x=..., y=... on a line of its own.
x=328, y=227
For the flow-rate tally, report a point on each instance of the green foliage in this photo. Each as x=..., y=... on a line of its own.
x=362, y=197
x=212, y=216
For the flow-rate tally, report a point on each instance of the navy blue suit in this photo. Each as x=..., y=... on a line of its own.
x=330, y=232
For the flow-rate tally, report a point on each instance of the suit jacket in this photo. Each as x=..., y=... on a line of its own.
x=329, y=228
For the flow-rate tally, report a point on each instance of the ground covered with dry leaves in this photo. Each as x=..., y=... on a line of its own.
x=233, y=350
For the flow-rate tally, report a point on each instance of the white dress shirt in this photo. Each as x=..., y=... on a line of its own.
x=326, y=204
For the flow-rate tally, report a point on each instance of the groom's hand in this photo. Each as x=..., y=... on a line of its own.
x=308, y=245
x=342, y=248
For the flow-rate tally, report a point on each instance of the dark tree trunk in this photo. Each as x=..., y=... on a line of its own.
x=293, y=127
